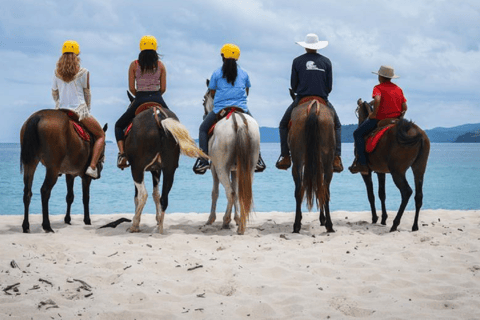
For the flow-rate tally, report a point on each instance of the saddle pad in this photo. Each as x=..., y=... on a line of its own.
x=310, y=98
x=80, y=131
x=375, y=137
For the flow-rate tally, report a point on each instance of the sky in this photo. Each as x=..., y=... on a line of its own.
x=432, y=45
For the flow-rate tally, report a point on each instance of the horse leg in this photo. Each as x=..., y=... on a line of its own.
x=86, y=180
x=418, y=176
x=28, y=173
x=213, y=212
x=382, y=195
x=168, y=176
x=230, y=194
x=51, y=177
x=156, y=199
x=70, y=196
x=236, y=205
x=140, y=200
x=326, y=185
x=367, y=179
x=298, y=198
x=405, y=190
x=322, y=216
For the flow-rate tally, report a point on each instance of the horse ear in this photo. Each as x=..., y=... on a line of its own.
x=105, y=127
x=130, y=96
x=208, y=82
x=359, y=101
x=292, y=94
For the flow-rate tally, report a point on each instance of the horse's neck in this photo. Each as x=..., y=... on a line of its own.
x=208, y=104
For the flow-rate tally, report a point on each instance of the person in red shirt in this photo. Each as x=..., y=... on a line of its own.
x=389, y=102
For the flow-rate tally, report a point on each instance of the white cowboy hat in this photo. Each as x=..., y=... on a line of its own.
x=312, y=42
x=386, y=72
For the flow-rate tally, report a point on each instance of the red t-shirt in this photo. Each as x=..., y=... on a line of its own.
x=391, y=100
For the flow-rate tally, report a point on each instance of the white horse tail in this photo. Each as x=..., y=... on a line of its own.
x=244, y=150
x=180, y=133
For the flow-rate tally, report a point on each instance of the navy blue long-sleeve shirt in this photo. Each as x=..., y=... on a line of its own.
x=312, y=75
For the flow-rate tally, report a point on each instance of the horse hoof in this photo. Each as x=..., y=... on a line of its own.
x=26, y=230
x=88, y=223
x=393, y=229
x=226, y=226
x=414, y=228
x=48, y=230
x=330, y=230
x=374, y=220
x=133, y=230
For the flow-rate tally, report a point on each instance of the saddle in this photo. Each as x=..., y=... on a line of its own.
x=77, y=125
x=224, y=113
x=140, y=109
x=310, y=99
x=374, y=137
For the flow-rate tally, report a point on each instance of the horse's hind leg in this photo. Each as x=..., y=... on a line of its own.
x=298, y=198
x=28, y=174
x=230, y=193
x=213, y=209
x=140, y=200
x=51, y=177
x=86, y=181
x=235, y=200
x=168, y=176
x=382, y=196
x=70, y=196
x=367, y=179
x=405, y=190
x=156, y=199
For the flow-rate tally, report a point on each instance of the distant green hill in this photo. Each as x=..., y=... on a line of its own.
x=463, y=133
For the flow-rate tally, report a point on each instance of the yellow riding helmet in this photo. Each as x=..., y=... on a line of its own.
x=148, y=43
x=71, y=46
x=230, y=51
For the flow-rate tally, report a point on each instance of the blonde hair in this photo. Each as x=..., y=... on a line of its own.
x=68, y=66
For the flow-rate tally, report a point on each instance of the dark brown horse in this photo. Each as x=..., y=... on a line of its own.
x=403, y=146
x=154, y=144
x=48, y=137
x=311, y=139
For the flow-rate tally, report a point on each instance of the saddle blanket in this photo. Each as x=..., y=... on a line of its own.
x=374, y=138
x=225, y=113
x=79, y=129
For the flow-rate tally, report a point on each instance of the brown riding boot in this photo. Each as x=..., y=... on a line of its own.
x=337, y=164
x=284, y=162
x=357, y=167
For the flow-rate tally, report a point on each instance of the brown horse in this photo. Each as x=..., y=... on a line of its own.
x=311, y=139
x=48, y=137
x=403, y=146
x=154, y=144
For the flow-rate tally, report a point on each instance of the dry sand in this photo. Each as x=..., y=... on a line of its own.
x=198, y=272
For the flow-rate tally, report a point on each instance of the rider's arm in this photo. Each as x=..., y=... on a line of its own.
x=86, y=92
x=376, y=105
x=404, y=109
x=131, y=78
x=163, y=77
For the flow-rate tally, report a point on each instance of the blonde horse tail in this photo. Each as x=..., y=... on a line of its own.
x=244, y=151
x=314, y=172
x=180, y=133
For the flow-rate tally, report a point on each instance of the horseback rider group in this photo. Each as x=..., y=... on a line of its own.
x=229, y=85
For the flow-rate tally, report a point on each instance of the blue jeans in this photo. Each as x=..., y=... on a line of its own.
x=283, y=128
x=207, y=123
x=359, y=136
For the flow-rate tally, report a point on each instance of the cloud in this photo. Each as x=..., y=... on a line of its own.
x=433, y=45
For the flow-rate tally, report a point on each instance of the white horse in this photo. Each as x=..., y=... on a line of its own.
x=233, y=149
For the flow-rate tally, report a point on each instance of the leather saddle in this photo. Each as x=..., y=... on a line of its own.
x=372, y=139
x=224, y=113
x=308, y=99
x=143, y=107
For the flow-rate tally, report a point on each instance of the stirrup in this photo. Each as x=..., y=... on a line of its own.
x=283, y=162
x=122, y=161
x=260, y=164
x=201, y=166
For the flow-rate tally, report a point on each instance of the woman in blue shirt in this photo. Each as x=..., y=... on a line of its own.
x=229, y=87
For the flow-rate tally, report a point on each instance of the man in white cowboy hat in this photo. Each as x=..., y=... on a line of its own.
x=311, y=76
x=389, y=102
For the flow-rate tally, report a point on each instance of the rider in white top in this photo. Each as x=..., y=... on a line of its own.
x=71, y=94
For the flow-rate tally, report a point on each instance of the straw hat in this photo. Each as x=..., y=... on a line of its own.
x=386, y=72
x=312, y=42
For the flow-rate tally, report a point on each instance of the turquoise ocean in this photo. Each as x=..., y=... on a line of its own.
x=452, y=181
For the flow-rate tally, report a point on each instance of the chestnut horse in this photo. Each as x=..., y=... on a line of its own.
x=154, y=144
x=48, y=137
x=233, y=148
x=403, y=146
x=311, y=139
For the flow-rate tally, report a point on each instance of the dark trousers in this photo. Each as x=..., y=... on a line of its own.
x=127, y=117
x=283, y=128
x=207, y=123
x=359, y=136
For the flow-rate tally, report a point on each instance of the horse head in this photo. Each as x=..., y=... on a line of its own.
x=363, y=110
x=207, y=101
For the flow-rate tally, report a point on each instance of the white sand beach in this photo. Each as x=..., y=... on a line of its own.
x=198, y=272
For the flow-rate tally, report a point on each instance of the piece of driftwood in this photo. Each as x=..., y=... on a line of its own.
x=114, y=224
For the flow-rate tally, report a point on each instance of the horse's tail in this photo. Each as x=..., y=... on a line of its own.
x=313, y=171
x=30, y=143
x=403, y=138
x=182, y=137
x=243, y=151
